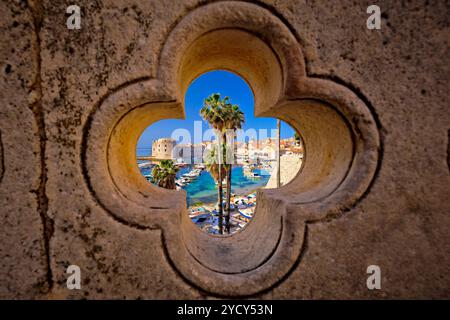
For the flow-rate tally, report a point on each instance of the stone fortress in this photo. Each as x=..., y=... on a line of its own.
x=163, y=148
x=372, y=106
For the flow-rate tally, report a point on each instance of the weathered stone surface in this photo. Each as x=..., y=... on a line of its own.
x=23, y=261
x=53, y=81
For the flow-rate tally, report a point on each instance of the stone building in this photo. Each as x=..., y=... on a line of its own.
x=372, y=107
x=163, y=148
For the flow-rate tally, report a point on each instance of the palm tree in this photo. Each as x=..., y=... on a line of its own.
x=164, y=174
x=213, y=112
x=297, y=139
x=234, y=118
x=223, y=117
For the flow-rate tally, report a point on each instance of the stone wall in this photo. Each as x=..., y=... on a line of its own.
x=290, y=166
x=375, y=190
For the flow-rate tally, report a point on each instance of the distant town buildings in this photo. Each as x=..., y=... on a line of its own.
x=290, y=146
x=251, y=151
x=266, y=149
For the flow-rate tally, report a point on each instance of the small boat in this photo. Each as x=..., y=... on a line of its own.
x=246, y=213
x=254, y=175
x=242, y=206
x=181, y=165
x=231, y=206
x=145, y=164
x=179, y=183
x=197, y=211
x=192, y=174
x=200, y=218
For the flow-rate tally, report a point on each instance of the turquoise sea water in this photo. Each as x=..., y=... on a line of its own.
x=204, y=189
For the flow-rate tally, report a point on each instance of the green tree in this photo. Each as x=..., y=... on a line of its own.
x=213, y=112
x=164, y=174
x=297, y=139
x=234, y=119
x=225, y=118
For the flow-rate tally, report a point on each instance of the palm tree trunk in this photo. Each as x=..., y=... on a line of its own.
x=219, y=185
x=228, y=167
x=220, y=201
x=228, y=207
x=278, y=155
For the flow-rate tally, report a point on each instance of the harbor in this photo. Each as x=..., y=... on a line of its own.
x=201, y=193
x=254, y=169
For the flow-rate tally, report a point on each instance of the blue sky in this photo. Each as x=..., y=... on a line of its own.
x=225, y=83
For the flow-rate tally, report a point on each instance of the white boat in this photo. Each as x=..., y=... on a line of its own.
x=246, y=213
x=192, y=174
x=197, y=211
x=180, y=183
x=145, y=164
x=254, y=175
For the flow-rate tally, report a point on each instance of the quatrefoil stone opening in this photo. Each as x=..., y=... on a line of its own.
x=338, y=130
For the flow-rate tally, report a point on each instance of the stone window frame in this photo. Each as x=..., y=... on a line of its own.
x=339, y=132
